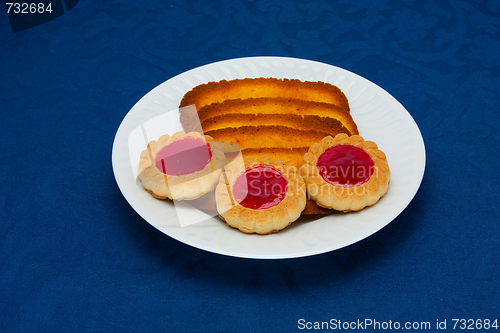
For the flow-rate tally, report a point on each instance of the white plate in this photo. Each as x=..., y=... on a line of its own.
x=379, y=116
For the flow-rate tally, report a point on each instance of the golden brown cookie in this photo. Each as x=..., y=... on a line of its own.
x=267, y=136
x=305, y=123
x=345, y=173
x=216, y=92
x=184, y=166
x=260, y=195
x=222, y=113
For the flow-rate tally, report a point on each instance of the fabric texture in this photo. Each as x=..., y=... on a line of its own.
x=74, y=256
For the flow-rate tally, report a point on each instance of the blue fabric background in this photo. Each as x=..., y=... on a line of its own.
x=74, y=256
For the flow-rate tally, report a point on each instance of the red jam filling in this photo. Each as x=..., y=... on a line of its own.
x=183, y=157
x=260, y=187
x=345, y=165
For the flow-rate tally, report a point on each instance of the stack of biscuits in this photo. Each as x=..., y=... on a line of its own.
x=280, y=118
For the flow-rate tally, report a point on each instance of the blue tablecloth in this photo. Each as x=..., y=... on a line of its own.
x=74, y=256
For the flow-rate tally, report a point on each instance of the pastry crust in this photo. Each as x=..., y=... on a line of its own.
x=260, y=221
x=291, y=156
x=345, y=198
x=184, y=187
x=267, y=136
x=213, y=92
x=263, y=110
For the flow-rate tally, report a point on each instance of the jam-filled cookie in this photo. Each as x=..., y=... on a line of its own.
x=184, y=166
x=261, y=195
x=345, y=173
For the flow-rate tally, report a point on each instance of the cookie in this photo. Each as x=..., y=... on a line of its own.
x=345, y=173
x=184, y=166
x=260, y=195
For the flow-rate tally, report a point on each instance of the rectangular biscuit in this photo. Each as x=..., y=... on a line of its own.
x=267, y=136
x=191, y=119
x=216, y=92
x=323, y=124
